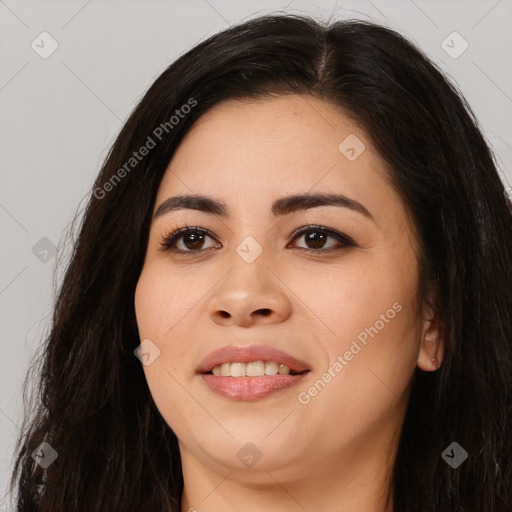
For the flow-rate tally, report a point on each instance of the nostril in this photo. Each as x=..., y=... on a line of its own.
x=264, y=311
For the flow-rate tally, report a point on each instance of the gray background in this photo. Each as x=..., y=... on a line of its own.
x=59, y=115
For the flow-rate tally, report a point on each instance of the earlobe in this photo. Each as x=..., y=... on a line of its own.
x=431, y=351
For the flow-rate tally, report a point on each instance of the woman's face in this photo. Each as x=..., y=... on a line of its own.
x=343, y=312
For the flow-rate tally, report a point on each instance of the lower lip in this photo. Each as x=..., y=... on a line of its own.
x=250, y=388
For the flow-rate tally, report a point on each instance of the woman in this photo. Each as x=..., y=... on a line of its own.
x=302, y=236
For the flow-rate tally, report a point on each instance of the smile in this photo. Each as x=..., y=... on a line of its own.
x=250, y=372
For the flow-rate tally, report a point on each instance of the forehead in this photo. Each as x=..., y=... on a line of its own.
x=244, y=149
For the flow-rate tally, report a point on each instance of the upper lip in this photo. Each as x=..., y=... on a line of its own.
x=249, y=354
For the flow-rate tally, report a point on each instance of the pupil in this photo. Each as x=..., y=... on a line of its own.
x=195, y=242
x=320, y=238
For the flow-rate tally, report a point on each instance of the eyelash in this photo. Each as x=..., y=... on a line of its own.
x=167, y=243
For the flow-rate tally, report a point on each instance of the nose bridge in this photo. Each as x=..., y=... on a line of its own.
x=249, y=288
x=250, y=274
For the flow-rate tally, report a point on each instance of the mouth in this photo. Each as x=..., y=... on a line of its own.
x=251, y=373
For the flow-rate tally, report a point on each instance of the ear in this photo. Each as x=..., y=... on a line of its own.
x=431, y=351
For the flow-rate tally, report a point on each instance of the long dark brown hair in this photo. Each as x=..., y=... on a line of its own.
x=93, y=405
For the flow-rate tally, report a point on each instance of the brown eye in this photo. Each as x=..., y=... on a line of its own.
x=192, y=240
x=316, y=237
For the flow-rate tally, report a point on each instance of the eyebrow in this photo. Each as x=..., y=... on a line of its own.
x=282, y=206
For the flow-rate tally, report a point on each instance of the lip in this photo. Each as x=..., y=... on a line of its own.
x=250, y=388
x=250, y=354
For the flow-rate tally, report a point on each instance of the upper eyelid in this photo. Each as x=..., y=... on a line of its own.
x=299, y=230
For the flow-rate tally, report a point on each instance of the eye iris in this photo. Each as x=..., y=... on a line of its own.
x=317, y=238
x=197, y=240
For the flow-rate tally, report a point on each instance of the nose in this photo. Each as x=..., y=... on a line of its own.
x=250, y=293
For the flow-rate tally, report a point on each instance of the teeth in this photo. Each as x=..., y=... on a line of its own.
x=237, y=369
x=271, y=368
x=284, y=370
x=254, y=369
x=225, y=369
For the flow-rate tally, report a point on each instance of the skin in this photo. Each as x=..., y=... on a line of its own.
x=335, y=452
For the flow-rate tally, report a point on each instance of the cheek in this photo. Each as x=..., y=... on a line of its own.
x=372, y=356
x=159, y=306
x=351, y=297
x=162, y=301
x=370, y=310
